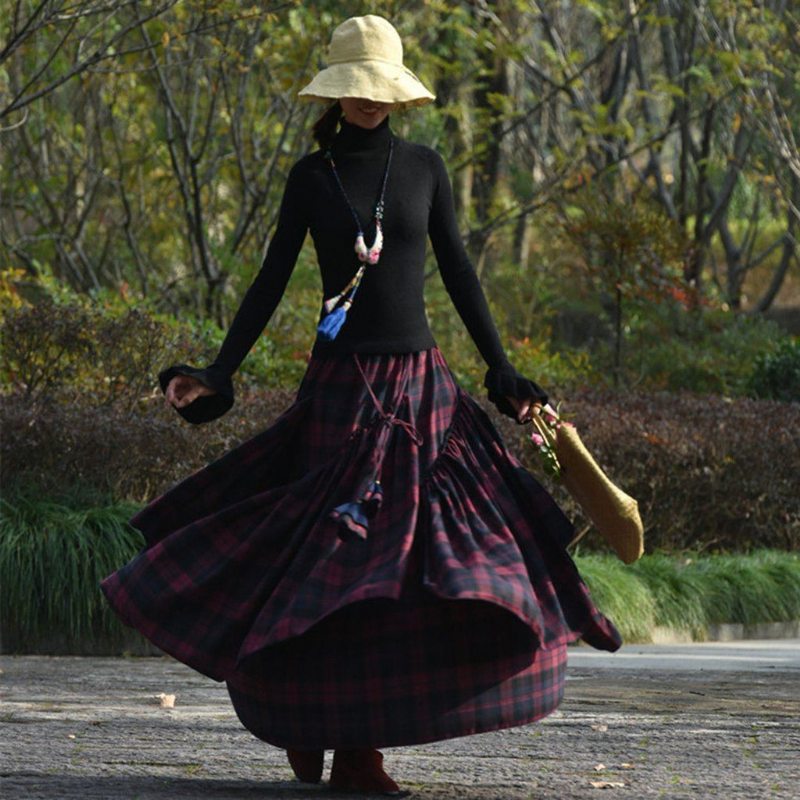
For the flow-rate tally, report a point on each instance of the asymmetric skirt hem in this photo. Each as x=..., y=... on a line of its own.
x=373, y=569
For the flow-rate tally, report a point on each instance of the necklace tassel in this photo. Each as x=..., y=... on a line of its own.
x=330, y=326
x=331, y=323
x=332, y=302
x=334, y=318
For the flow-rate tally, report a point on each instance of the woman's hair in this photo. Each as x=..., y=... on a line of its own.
x=324, y=129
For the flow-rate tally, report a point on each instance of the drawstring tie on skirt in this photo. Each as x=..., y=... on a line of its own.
x=355, y=514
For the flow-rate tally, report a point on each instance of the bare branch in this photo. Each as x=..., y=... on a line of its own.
x=28, y=28
x=21, y=100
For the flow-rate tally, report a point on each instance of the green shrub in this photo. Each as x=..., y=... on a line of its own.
x=776, y=375
x=54, y=551
x=620, y=595
x=707, y=351
x=677, y=591
x=56, y=350
x=671, y=344
x=691, y=592
x=762, y=588
x=280, y=356
x=533, y=352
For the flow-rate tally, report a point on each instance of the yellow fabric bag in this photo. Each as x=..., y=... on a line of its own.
x=613, y=513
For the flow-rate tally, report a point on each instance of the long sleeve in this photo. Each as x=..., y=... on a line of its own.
x=458, y=274
x=464, y=288
x=255, y=311
x=266, y=291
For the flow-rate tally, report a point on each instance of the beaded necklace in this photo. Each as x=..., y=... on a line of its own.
x=336, y=307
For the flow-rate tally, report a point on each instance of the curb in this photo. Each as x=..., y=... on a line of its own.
x=728, y=632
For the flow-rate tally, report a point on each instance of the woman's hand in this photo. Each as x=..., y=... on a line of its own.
x=525, y=408
x=183, y=389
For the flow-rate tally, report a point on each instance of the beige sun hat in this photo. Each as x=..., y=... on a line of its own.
x=365, y=59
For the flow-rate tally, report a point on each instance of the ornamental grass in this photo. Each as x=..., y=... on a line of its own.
x=55, y=550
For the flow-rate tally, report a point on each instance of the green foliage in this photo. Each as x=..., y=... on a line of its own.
x=689, y=593
x=630, y=251
x=58, y=343
x=677, y=591
x=522, y=322
x=709, y=351
x=66, y=348
x=54, y=551
x=620, y=595
x=282, y=352
x=161, y=166
x=762, y=588
x=670, y=346
x=776, y=374
x=562, y=368
x=111, y=188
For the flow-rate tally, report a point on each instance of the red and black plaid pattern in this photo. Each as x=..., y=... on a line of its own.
x=368, y=570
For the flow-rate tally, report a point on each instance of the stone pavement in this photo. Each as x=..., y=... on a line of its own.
x=87, y=728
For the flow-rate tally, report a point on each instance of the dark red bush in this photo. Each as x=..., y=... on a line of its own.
x=128, y=455
x=709, y=473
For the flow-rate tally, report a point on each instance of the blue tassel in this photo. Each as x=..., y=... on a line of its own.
x=373, y=496
x=353, y=519
x=355, y=515
x=331, y=324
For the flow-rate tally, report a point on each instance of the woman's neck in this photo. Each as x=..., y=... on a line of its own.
x=355, y=139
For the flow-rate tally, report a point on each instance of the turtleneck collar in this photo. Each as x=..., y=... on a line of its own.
x=354, y=139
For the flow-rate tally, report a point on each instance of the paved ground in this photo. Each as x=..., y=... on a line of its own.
x=710, y=721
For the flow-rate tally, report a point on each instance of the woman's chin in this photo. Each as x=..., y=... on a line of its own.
x=372, y=120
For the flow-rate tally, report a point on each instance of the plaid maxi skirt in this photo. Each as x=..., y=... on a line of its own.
x=375, y=568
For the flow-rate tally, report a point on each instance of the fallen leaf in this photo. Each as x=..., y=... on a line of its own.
x=602, y=728
x=626, y=765
x=599, y=767
x=70, y=736
x=607, y=784
x=166, y=700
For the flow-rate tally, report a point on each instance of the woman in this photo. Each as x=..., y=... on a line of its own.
x=375, y=568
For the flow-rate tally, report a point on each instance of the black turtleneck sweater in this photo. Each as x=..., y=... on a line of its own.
x=388, y=313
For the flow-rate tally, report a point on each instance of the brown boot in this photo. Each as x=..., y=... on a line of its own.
x=362, y=771
x=307, y=764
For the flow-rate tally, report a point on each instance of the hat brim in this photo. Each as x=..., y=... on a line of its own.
x=374, y=80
